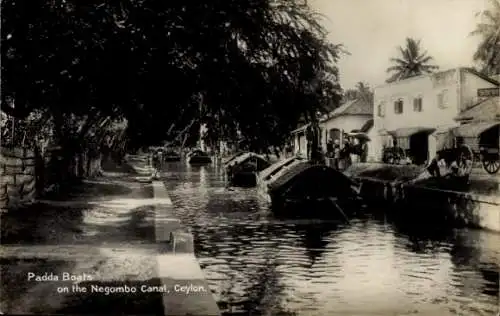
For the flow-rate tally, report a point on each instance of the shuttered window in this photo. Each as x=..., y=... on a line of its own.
x=417, y=104
x=381, y=109
x=398, y=106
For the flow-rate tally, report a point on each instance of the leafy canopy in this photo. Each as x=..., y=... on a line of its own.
x=488, y=51
x=256, y=66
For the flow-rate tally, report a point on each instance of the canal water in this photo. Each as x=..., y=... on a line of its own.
x=260, y=265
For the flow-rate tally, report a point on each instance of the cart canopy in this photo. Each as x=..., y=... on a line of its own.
x=471, y=130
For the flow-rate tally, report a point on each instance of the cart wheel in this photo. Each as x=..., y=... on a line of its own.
x=491, y=166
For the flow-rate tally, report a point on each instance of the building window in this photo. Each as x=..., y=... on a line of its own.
x=417, y=104
x=398, y=106
x=442, y=99
x=381, y=109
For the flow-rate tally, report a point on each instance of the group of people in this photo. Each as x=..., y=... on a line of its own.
x=352, y=151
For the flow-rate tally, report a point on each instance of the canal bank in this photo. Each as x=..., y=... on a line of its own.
x=256, y=263
x=477, y=205
x=178, y=268
x=110, y=246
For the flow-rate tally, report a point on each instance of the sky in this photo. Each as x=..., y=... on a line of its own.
x=372, y=30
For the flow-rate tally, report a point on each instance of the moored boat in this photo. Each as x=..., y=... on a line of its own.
x=199, y=157
x=243, y=169
x=172, y=156
x=307, y=189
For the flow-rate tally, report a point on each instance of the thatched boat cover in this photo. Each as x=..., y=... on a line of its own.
x=290, y=173
x=245, y=161
x=243, y=157
x=276, y=167
x=231, y=158
x=384, y=172
x=309, y=178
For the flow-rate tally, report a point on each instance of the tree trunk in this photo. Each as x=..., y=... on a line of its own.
x=94, y=165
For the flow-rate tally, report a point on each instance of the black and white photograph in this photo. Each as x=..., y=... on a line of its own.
x=250, y=157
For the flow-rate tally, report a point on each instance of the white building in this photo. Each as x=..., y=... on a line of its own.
x=355, y=115
x=352, y=115
x=413, y=110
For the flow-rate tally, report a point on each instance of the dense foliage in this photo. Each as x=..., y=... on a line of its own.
x=488, y=51
x=167, y=66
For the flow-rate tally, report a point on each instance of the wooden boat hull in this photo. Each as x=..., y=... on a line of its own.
x=243, y=179
x=313, y=190
x=325, y=208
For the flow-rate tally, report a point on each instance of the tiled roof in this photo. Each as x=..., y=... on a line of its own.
x=486, y=110
x=354, y=107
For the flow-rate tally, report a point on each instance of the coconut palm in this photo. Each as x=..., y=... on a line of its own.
x=412, y=62
x=488, y=51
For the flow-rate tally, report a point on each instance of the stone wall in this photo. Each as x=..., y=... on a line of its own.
x=17, y=176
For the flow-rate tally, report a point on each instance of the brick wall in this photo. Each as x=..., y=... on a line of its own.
x=17, y=176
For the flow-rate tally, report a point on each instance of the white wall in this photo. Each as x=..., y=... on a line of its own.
x=302, y=144
x=426, y=87
x=461, y=87
x=470, y=84
x=344, y=122
x=299, y=143
x=431, y=115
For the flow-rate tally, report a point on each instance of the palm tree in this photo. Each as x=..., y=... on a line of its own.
x=488, y=51
x=412, y=62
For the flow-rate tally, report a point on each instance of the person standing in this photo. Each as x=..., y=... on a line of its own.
x=346, y=153
x=364, y=151
x=356, y=151
x=336, y=154
x=329, y=148
x=155, y=159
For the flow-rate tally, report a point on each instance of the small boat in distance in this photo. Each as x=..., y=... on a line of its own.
x=171, y=155
x=198, y=156
x=242, y=170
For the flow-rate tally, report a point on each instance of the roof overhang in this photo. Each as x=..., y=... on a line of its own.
x=409, y=131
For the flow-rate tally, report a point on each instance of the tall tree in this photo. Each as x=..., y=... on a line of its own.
x=167, y=66
x=488, y=51
x=411, y=62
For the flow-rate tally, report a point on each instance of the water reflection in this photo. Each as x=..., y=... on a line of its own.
x=257, y=264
